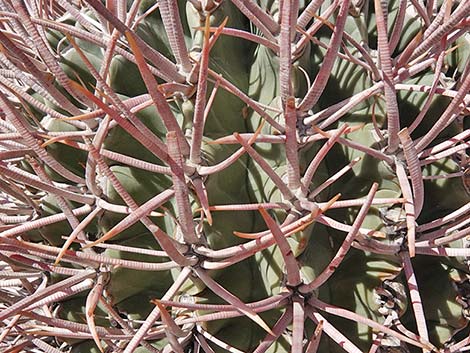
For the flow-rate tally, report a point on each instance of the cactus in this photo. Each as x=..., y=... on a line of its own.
x=234, y=175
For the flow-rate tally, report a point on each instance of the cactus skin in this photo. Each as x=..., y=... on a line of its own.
x=234, y=175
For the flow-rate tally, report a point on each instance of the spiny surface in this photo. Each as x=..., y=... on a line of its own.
x=234, y=175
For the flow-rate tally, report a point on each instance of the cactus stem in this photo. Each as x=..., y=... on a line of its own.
x=66, y=66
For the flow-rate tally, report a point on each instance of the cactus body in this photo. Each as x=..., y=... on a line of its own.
x=234, y=175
